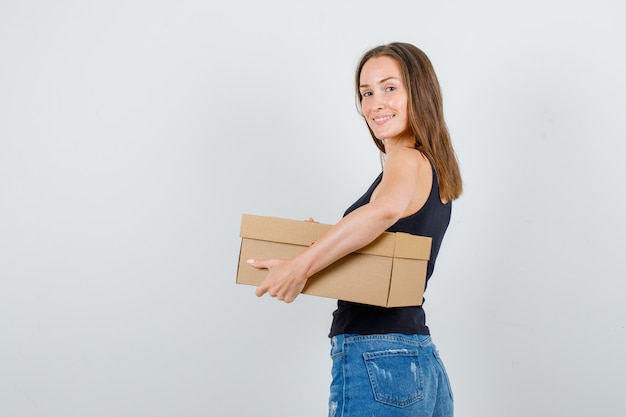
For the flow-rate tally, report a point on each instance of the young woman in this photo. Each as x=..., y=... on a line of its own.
x=384, y=361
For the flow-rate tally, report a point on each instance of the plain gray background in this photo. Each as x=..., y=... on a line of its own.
x=134, y=134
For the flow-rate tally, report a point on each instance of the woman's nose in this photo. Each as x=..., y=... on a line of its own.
x=379, y=102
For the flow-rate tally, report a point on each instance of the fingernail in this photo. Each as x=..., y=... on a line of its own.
x=250, y=261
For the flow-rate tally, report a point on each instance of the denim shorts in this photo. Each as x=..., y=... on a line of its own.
x=388, y=375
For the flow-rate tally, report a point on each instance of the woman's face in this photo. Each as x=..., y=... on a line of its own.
x=384, y=99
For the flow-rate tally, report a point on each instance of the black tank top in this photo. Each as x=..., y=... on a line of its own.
x=431, y=220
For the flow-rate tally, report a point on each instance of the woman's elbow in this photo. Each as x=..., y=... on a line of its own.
x=389, y=212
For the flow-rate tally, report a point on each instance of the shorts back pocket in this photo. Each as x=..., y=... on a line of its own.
x=396, y=376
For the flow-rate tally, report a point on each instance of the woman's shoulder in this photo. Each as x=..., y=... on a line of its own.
x=407, y=156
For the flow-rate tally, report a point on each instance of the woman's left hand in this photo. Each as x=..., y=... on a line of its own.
x=283, y=280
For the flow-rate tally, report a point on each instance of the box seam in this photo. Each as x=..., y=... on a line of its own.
x=393, y=258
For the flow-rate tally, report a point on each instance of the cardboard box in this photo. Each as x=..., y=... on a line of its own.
x=389, y=272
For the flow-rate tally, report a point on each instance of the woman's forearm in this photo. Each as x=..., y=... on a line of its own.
x=351, y=233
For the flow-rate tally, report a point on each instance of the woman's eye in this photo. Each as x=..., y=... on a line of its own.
x=390, y=89
x=367, y=94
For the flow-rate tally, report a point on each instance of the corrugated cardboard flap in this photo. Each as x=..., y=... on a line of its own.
x=412, y=247
x=303, y=233
x=399, y=245
x=274, y=229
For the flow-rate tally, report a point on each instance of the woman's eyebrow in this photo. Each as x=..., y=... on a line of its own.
x=379, y=82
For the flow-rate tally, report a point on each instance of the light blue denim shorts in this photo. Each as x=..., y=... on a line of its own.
x=388, y=375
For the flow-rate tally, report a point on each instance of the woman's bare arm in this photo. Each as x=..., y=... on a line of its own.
x=392, y=200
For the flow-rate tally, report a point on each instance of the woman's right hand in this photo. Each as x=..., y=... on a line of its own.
x=284, y=281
